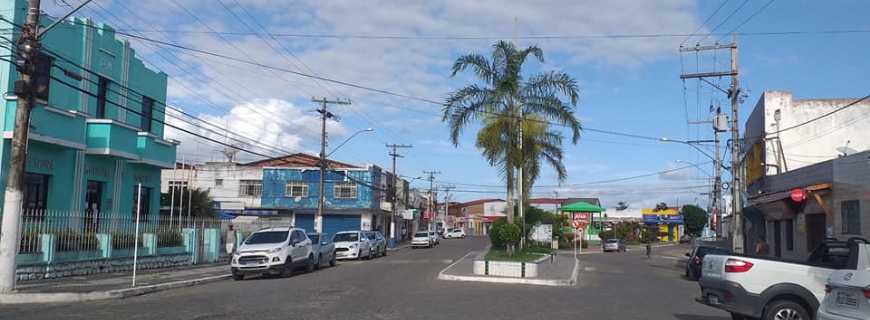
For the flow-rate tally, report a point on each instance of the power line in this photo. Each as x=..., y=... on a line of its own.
x=749, y=18
x=724, y=21
x=705, y=22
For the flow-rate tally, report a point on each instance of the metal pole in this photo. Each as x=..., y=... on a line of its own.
x=181, y=190
x=190, y=179
x=172, y=194
x=28, y=47
x=318, y=219
x=136, y=237
x=736, y=204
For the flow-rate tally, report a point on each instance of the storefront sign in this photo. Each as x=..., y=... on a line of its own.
x=798, y=195
x=41, y=164
x=102, y=172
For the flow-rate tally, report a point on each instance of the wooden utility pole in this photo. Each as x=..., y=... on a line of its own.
x=431, y=193
x=394, y=153
x=733, y=94
x=324, y=115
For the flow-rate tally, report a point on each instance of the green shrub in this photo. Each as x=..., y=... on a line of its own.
x=169, y=239
x=510, y=233
x=495, y=233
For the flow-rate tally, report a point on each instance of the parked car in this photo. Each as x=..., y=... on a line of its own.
x=422, y=239
x=324, y=249
x=378, y=243
x=696, y=257
x=454, y=234
x=434, y=237
x=273, y=251
x=351, y=245
x=847, y=296
x=767, y=288
x=613, y=245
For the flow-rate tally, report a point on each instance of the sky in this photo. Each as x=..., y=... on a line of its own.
x=627, y=84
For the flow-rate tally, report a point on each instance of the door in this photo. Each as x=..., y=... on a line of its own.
x=815, y=230
x=337, y=223
x=299, y=253
x=93, y=200
x=304, y=221
x=777, y=239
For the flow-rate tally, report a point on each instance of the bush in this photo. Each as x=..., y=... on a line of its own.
x=510, y=233
x=609, y=234
x=495, y=233
x=169, y=239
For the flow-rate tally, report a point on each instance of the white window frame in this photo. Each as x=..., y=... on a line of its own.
x=288, y=189
x=245, y=184
x=338, y=186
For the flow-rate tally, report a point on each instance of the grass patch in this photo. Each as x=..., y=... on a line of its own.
x=526, y=255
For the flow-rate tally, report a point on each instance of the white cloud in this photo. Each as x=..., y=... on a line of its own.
x=252, y=127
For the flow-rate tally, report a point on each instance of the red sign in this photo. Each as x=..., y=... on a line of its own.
x=428, y=215
x=798, y=195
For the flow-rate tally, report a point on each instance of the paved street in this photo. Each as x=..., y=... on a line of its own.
x=404, y=286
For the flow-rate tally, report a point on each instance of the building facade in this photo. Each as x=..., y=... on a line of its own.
x=669, y=223
x=97, y=133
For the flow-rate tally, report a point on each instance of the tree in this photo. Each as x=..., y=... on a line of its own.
x=621, y=206
x=695, y=219
x=661, y=206
x=504, y=101
x=202, y=203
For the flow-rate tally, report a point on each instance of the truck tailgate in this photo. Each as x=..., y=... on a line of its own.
x=713, y=266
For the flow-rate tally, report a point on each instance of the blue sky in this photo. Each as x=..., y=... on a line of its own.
x=627, y=85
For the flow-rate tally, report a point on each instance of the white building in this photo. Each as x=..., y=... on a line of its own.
x=232, y=185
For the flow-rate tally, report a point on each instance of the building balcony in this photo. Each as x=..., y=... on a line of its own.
x=155, y=151
x=110, y=137
x=50, y=125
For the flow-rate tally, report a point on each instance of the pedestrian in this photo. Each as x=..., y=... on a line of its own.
x=762, y=248
x=230, y=240
x=648, y=249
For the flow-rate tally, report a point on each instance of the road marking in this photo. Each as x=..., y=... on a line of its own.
x=589, y=269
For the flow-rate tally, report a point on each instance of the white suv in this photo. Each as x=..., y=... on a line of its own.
x=273, y=251
x=352, y=245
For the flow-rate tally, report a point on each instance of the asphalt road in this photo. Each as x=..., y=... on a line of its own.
x=404, y=286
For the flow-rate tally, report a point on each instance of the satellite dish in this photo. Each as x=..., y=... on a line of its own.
x=845, y=150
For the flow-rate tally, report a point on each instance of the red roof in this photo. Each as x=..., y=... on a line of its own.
x=298, y=160
x=479, y=201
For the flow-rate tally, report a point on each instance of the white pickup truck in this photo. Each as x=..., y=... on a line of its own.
x=766, y=288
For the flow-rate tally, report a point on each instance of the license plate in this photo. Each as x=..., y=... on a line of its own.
x=846, y=299
x=711, y=299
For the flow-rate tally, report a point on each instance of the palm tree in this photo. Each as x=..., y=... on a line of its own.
x=503, y=101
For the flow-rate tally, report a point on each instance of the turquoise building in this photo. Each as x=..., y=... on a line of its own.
x=98, y=132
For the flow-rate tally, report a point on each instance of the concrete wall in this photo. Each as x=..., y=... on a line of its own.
x=852, y=182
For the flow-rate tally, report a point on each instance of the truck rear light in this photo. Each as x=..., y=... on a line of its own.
x=737, y=266
x=867, y=292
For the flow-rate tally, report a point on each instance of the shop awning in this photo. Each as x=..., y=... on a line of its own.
x=581, y=207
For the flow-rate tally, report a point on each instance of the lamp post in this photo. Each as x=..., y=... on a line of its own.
x=348, y=139
x=321, y=201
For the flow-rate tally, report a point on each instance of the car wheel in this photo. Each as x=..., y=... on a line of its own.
x=237, y=276
x=785, y=310
x=735, y=316
x=332, y=261
x=309, y=265
x=287, y=270
x=385, y=252
x=319, y=261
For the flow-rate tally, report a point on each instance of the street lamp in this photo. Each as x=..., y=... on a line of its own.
x=692, y=144
x=348, y=139
x=696, y=166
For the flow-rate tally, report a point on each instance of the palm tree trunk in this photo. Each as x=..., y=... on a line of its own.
x=509, y=205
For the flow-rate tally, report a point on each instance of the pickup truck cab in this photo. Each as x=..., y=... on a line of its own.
x=768, y=288
x=273, y=251
x=324, y=250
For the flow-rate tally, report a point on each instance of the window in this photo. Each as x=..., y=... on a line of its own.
x=147, y=113
x=176, y=185
x=101, y=98
x=851, y=214
x=296, y=189
x=218, y=182
x=789, y=235
x=344, y=190
x=144, y=204
x=250, y=188
x=35, y=194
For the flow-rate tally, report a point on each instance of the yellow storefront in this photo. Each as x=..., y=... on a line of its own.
x=669, y=222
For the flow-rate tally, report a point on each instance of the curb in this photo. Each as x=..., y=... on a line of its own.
x=540, y=282
x=397, y=248
x=63, y=297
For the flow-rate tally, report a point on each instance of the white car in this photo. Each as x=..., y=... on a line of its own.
x=454, y=234
x=421, y=239
x=847, y=296
x=273, y=251
x=751, y=287
x=352, y=245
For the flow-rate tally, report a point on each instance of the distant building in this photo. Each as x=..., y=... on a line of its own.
x=669, y=222
x=479, y=214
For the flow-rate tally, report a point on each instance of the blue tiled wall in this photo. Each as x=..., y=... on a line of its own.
x=276, y=179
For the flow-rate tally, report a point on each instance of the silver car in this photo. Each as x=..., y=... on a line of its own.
x=847, y=296
x=613, y=245
x=377, y=242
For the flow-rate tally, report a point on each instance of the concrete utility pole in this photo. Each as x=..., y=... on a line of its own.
x=27, y=49
x=447, y=189
x=733, y=93
x=717, y=176
x=431, y=179
x=394, y=153
x=324, y=114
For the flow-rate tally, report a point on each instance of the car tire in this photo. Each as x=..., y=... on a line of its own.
x=332, y=261
x=237, y=276
x=287, y=270
x=385, y=252
x=735, y=316
x=785, y=309
x=319, y=262
x=309, y=265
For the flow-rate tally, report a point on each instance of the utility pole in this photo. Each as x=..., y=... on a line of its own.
x=717, y=174
x=394, y=153
x=27, y=47
x=431, y=179
x=324, y=115
x=733, y=93
x=447, y=189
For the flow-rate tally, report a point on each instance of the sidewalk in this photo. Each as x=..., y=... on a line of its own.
x=562, y=271
x=113, y=286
